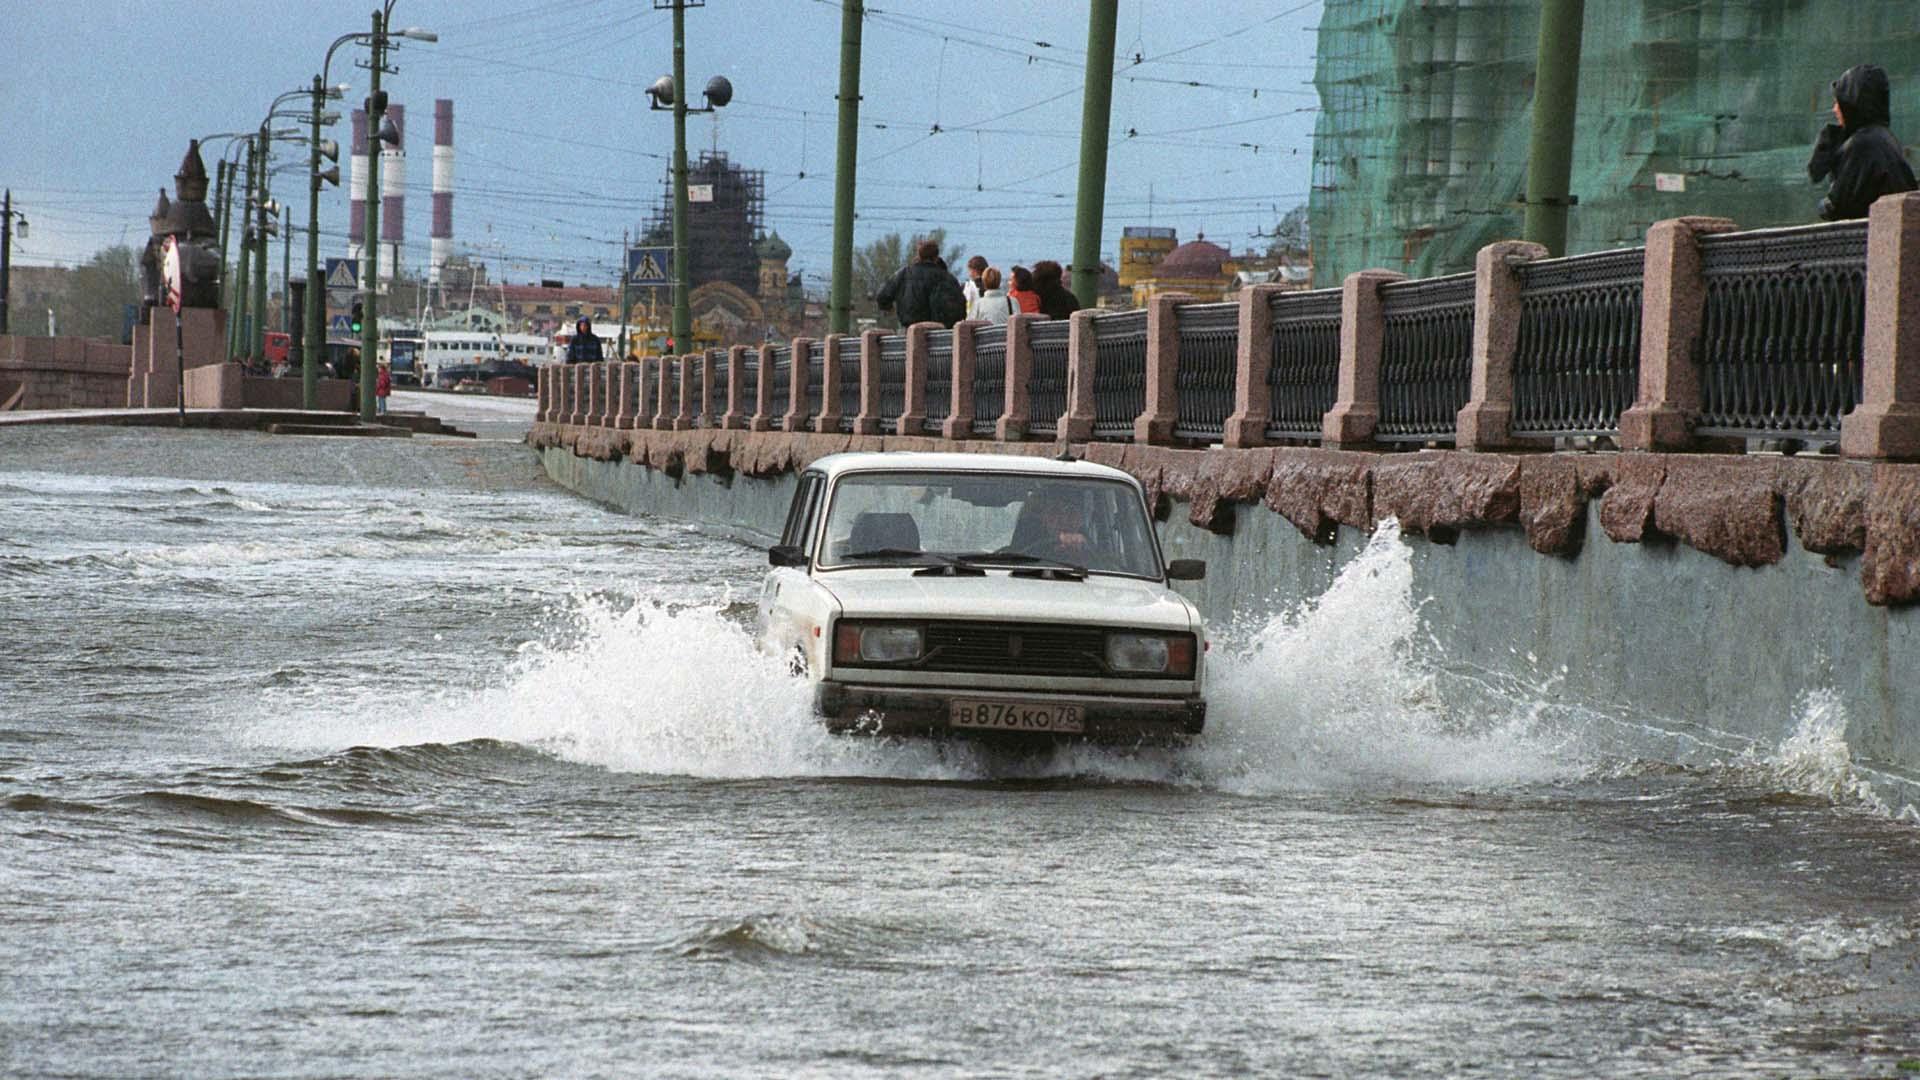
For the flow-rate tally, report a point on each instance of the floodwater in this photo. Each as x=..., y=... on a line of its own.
x=386, y=758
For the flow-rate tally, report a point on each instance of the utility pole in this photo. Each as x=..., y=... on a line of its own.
x=626, y=300
x=237, y=329
x=846, y=155
x=316, y=303
x=6, y=258
x=370, y=273
x=257, y=341
x=682, y=307
x=1096, y=112
x=1556, y=92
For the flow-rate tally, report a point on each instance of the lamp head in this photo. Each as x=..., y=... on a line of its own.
x=719, y=91
x=419, y=33
x=661, y=91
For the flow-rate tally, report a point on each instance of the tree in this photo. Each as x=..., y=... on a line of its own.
x=1293, y=235
x=875, y=264
x=98, y=293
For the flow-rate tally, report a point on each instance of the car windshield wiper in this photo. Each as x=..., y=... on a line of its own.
x=1031, y=564
x=943, y=564
x=891, y=553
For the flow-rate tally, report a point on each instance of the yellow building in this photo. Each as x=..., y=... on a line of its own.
x=1141, y=249
x=1201, y=269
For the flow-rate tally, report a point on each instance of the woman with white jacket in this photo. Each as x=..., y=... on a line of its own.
x=994, y=305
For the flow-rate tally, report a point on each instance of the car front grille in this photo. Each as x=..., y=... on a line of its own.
x=1016, y=648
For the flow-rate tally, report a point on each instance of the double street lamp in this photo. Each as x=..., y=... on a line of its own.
x=666, y=94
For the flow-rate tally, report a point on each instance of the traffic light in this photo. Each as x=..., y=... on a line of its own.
x=358, y=318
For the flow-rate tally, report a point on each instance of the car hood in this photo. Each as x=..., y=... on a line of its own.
x=896, y=593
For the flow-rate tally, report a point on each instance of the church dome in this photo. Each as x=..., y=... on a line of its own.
x=1197, y=259
x=770, y=248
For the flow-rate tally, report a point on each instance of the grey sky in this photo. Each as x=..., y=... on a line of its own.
x=556, y=151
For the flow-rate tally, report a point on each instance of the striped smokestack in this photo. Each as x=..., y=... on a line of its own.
x=441, y=242
x=357, y=189
x=393, y=195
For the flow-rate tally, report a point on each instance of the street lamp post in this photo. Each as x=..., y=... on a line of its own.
x=316, y=312
x=7, y=214
x=381, y=130
x=667, y=92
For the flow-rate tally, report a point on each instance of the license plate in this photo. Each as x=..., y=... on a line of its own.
x=1015, y=716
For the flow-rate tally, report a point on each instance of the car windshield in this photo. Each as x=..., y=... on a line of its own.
x=1014, y=520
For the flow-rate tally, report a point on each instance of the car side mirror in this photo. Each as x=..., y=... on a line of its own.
x=786, y=555
x=1186, y=569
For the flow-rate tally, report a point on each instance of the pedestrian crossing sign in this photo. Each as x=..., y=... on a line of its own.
x=649, y=265
x=343, y=274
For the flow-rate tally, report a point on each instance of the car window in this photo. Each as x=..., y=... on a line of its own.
x=800, y=511
x=1097, y=524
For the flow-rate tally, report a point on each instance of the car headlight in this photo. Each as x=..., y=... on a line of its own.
x=1150, y=654
x=854, y=643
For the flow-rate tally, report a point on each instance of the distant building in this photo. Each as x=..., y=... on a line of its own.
x=1200, y=268
x=1141, y=249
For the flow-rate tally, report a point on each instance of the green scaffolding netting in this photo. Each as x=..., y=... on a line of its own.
x=1426, y=110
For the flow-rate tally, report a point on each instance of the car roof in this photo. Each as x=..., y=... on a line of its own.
x=1005, y=464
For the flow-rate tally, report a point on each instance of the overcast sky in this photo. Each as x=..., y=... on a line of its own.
x=557, y=153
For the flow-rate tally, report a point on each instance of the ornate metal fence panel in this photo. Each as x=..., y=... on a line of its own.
x=1782, y=331
x=939, y=399
x=1047, y=386
x=849, y=382
x=749, y=381
x=782, y=388
x=1303, y=379
x=893, y=382
x=1209, y=359
x=1576, y=367
x=816, y=400
x=1119, y=373
x=1426, y=359
x=989, y=378
x=696, y=403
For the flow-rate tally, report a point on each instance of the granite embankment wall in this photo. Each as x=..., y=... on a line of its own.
x=62, y=373
x=1692, y=600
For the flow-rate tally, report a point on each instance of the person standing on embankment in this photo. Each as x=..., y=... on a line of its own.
x=1859, y=152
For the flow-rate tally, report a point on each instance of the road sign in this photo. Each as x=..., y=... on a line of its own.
x=340, y=325
x=343, y=274
x=650, y=265
x=340, y=298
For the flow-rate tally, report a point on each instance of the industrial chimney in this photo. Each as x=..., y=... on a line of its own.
x=393, y=195
x=441, y=242
x=357, y=189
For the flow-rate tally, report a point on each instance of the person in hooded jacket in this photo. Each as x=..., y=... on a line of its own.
x=1056, y=301
x=924, y=291
x=585, y=347
x=1861, y=155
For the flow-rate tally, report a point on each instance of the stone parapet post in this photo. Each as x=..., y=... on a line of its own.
x=626, y=381
x=739, y=409
x=828, y=418
x=576, y=393
x=1252, y=393
x=543, y=387
x=597, y=398
x=683, y=373
x=1155, y=424
x=646, y=393
x=1886, y=422
x=1012, y=425
x=1363, y=328
x=663, y=387
x=1486, y=420
x=710, y=410
x=913, y=418
x=868, y=422
x=762, y=418
x=1083, y=356
x=798, y=386
x=1673, y=299
x=959, y=421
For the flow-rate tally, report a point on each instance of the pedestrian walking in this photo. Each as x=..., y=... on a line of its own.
x=1858, y=151
x=585, y=347
x=972, y=287
x=992, y=305
x=1056, y=301
x=382, y=388
x=924, y=291
x=1021, y=289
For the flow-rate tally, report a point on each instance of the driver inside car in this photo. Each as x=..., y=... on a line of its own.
x=1053, y=525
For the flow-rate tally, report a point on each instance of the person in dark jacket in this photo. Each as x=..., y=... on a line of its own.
x=1056, y=300
x=924, y=291
x=585, y=347
x=1861, y=155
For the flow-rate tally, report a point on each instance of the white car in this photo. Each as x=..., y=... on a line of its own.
x=984, y=595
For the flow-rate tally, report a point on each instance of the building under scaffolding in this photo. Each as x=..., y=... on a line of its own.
x=723, y=220
x=1686, y=107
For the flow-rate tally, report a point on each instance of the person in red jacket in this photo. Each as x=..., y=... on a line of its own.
x=382, y=386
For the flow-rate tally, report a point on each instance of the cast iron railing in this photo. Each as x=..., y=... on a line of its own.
x=849, y=382
x=749, y=382
x=1781, y=332
x=893, y=382
x=939, y=395
x=1576, y=366
x=1426, y=358
x=1047, y=385
x=814, y=401
x=1209, y=358
x=782, y=389
x=989, y=378
x=1119, y=373
x=717, y=398
x=1303, y=379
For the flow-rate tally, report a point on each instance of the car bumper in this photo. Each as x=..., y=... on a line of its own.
x=925, y=711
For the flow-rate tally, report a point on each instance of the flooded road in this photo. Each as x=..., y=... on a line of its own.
x=387, y=758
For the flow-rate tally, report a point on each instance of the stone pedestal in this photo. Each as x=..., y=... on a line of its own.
x=1486, y=421
x=1363, y=327
x=868, y=422
x=828, y=418
x=1012, y=426
x=739, y=407
x=1886, y=422
x=1252, y=394
x=959, y=421
x=762, y=419
x=913, y=418
x=155, y=377
x=1672, y=299
x=683, y=372
x=1083, y=359
x=800, y=386
x=1155, y=424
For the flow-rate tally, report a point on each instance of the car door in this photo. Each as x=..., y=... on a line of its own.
x=788, y=609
